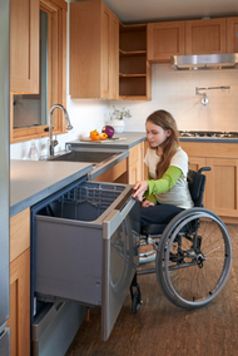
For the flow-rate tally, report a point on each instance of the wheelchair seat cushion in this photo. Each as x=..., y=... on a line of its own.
x=153, y=229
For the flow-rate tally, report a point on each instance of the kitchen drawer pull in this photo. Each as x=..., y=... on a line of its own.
x=124, y=200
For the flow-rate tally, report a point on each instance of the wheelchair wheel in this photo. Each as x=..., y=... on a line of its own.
x=194, y=258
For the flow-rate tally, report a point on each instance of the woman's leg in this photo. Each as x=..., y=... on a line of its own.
x=158, y=214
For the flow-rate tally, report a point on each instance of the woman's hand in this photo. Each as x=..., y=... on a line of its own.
x=139, y=189
x=147, y=203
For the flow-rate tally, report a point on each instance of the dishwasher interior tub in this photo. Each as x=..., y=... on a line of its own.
x=84, y=247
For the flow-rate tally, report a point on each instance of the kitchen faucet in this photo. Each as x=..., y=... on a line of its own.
x=54, y=142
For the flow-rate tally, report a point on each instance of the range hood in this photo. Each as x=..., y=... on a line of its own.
x=205, y=61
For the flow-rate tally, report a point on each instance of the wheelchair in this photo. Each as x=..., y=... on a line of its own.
x=193, y=253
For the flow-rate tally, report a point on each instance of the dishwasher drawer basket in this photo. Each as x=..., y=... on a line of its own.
x=86, y=202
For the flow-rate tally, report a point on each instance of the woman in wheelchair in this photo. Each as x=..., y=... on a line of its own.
x=191, y=245
x=166, y=192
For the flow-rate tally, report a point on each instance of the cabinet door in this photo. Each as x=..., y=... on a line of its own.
x=24, y=47
x=205, y=36
x=19, y=321
x=164, y=40
x=94, y=32
x=114, y=57
x=110, y=55
x=136, y=164
x=85, y=49
x=232, y=34
x=223, y=186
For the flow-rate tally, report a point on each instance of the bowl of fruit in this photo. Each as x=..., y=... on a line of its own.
x=107, y=133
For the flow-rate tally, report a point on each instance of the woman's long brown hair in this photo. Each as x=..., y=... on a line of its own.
x=165, y=120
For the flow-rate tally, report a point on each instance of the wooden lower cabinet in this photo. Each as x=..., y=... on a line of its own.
x=116, y=174
x=221, y=194
x=136, y=163
x=19, y=321
x=128, y=171
x=222, y=187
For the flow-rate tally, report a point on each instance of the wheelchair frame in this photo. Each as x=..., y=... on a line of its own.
x=193, y=256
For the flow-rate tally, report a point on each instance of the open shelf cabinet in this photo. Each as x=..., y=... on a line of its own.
x=134, y=70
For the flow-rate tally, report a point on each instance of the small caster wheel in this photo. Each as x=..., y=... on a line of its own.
x=136, y=303
x=135, y=295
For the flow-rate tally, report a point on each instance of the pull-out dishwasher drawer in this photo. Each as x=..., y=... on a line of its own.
x=55, y=327
x=84, y=247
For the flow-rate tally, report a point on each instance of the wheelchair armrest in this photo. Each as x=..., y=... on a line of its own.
x=204, y=169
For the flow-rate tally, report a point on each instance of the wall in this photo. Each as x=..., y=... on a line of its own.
x=175, y=91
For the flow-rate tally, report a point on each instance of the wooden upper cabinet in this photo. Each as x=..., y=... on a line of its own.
x=94, y=51
x=232, y=34
x=110, y=54
x=134, y=69
x=24, y=47
x=165, y=39
x=205, y=36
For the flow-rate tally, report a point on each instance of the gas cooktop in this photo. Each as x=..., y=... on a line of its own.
x=212, y=134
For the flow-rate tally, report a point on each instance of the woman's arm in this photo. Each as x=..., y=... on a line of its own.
x=166, y=182
x=157, y=186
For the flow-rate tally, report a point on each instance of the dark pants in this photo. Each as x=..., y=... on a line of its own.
x=157, y=214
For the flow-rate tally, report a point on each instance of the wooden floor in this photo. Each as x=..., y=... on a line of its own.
x=162, y=329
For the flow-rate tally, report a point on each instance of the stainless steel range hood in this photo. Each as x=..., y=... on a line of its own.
x=205, y=61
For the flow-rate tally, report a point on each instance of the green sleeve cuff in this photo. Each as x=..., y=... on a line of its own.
x=151, y=197
x=166, y=182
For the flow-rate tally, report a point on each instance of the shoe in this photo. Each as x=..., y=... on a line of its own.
x=146, y=254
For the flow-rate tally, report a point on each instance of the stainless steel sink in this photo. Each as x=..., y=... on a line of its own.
x=101, y=159
x=84, y=156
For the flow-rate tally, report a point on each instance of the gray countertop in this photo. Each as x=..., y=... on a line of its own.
x=32, y=181
x=125, y=140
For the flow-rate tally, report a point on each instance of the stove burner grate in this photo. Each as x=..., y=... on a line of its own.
x=213, y=134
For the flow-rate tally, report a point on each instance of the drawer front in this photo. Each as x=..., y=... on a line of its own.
x=118, y=271
x=114, y=173
x=54, y=328
x=19, y=233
